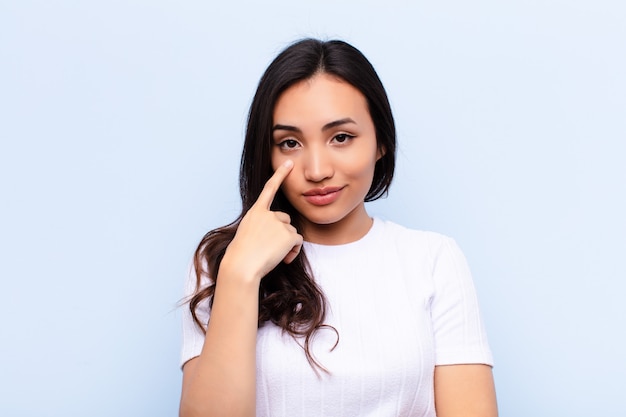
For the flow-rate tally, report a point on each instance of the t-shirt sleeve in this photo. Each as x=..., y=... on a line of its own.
x=459, y=332
x=193, y=335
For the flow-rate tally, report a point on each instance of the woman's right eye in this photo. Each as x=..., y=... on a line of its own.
x=288, y=144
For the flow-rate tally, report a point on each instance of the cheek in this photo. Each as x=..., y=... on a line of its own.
x=361, y=166
x=289, y=184
x=275, y=160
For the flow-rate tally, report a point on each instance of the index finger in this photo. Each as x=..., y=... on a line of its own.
x=273, y=184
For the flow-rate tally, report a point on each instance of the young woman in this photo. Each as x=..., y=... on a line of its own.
x=305, y=305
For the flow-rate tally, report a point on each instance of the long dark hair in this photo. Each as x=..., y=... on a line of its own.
x=288, y=295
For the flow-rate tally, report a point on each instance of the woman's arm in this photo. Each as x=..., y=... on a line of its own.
x=465, y=391
x=222, y=380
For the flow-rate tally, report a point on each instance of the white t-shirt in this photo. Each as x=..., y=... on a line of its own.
x=402, y=302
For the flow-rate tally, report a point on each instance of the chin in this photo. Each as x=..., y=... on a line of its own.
x=321, y=220
x=324, y=219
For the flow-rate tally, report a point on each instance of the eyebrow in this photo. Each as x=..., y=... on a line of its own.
x=326, y=127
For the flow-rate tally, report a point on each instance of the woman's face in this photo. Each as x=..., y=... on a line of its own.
x=324, y=126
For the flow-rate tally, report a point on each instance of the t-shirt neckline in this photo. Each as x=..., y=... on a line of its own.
x=371, y=233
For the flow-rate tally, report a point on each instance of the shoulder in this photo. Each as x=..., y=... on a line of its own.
x=419, y=246
x=414, y=238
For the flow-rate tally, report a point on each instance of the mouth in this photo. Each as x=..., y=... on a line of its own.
x=322, y=196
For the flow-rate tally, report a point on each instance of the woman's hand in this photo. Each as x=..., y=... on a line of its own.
x=264, y=237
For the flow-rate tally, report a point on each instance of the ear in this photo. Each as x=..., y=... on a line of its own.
x=380, y=153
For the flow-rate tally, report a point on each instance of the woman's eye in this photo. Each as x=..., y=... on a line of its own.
x=289, y=144
x=342, y=138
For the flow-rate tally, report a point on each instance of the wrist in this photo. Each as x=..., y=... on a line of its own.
x=238, y=272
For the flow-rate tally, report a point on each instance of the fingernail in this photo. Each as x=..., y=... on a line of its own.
x=288, y=163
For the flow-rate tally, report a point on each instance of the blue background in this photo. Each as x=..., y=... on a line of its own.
x=121, y=125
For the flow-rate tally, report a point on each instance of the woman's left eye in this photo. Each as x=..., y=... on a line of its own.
x=342, y=138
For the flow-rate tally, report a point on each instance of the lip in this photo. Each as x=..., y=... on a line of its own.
x=322, y=196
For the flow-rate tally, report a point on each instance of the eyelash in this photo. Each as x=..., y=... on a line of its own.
x=285, y=144
x=345, y=136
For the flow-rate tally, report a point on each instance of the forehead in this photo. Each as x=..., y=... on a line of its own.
x=318, y=100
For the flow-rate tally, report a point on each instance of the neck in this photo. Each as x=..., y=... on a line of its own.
x=349, y=229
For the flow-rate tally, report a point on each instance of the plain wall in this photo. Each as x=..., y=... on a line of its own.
x=121, y=125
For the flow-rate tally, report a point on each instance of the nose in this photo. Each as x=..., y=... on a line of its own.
x=318, y=165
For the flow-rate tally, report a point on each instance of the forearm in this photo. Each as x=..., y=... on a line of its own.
x=222, y=380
